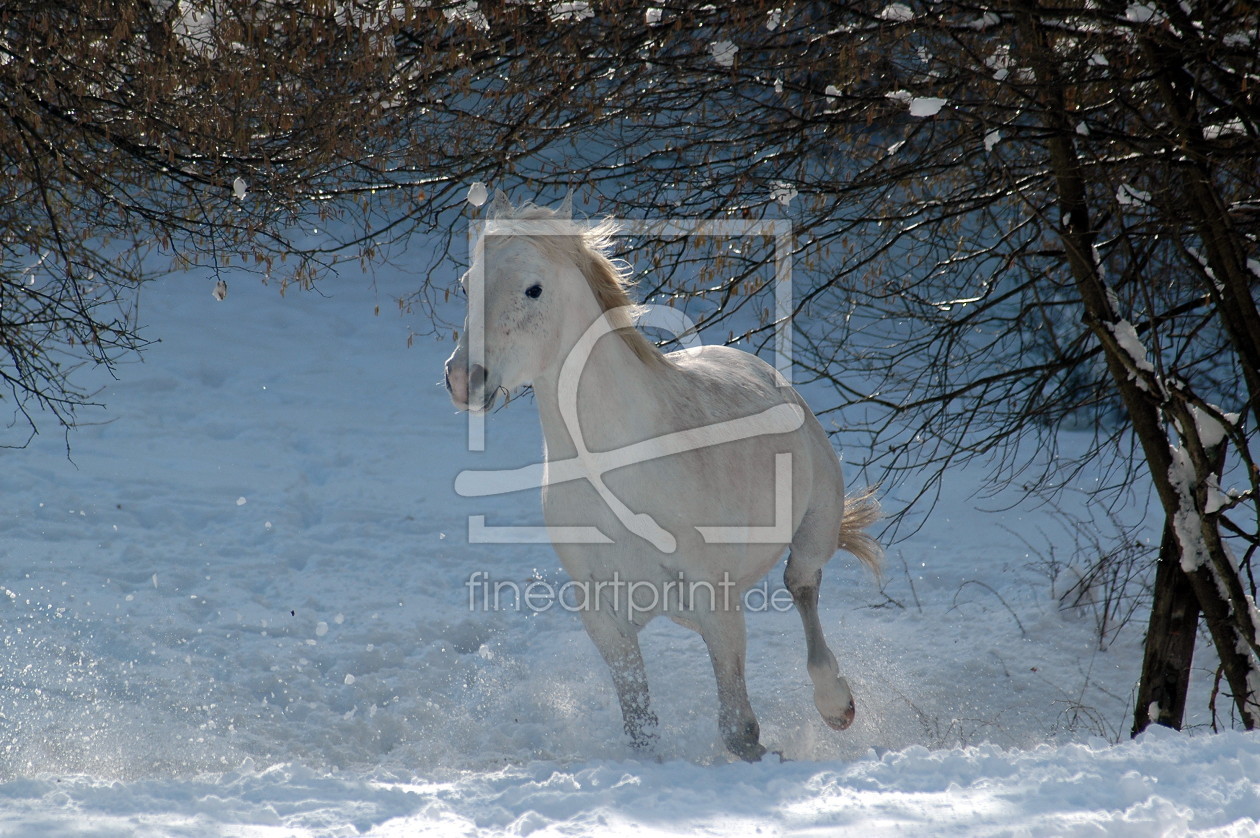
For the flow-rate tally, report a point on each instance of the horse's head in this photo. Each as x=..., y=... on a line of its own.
x=538, y=280
x=514, y=327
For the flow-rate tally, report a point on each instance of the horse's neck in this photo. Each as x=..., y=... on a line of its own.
x=618, y=401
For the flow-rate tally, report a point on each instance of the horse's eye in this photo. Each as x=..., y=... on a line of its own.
x=534, y=291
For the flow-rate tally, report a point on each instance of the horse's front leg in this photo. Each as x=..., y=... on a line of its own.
x=725, y=636
x=618, y=643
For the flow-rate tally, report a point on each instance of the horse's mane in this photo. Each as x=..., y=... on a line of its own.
x=588, y=248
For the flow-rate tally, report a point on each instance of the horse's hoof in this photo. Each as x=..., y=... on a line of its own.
x=842, y=721
x=745, y=742
x=644, y=741
x=643, y=737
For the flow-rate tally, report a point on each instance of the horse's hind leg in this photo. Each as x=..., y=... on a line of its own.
x=618, y=643
x=811, y=549
x=724, y=635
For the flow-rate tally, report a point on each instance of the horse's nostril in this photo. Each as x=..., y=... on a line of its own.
x=476, y=376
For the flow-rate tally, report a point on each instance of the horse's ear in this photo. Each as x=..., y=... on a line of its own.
x=500, y=207
x=566, y=206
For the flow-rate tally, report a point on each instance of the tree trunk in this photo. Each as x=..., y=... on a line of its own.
x=1169, y=647
x=1151, y=401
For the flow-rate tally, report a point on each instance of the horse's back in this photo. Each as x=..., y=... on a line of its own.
x=727, y=383
x=731, y=371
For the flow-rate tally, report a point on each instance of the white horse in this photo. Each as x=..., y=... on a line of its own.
x=673, y=482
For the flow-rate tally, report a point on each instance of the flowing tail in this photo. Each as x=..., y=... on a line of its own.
x=861, y=510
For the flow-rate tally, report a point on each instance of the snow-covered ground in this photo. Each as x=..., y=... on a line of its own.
x=241, y=608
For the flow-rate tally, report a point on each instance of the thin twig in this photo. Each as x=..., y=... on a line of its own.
x=991, y=590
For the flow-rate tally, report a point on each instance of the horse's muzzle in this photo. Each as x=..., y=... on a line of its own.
x=467, y=386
